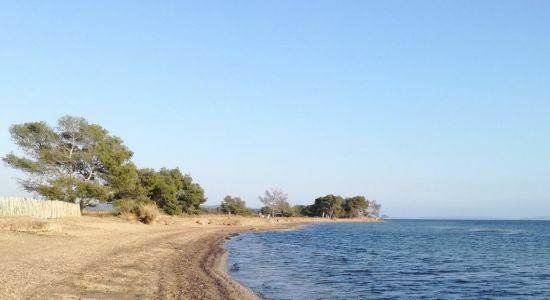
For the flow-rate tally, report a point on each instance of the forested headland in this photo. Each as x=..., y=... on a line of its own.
x=330, y=206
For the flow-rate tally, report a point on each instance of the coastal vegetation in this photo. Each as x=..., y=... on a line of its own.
x=329, y=206
x=145, y=211
x=80, y=162
x=276, y=203
x=83, y=163
x=234, y=205
x=332, y=206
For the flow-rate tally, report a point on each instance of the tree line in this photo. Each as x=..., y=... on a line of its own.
x=83, y=163
x=330, y=206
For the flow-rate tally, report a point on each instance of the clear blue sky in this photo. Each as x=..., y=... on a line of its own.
x=431, y=107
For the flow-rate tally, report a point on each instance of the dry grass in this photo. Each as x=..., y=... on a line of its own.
x=128, y=216
x=225, y=222
x=98, y=214
x=29, y=225
x=131, y=210
x=147, y=213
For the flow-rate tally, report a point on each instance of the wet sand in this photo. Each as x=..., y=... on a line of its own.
x=108, y=258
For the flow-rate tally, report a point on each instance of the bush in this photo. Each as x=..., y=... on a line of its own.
x=124, y=206
x=210, y=211
x=234, y=206
x=145, y=211
x=192, y=211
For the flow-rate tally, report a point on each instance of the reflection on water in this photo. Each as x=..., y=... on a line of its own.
x=398, y=259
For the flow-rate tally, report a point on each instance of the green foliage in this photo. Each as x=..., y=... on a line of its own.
x=306, y=210
x=162, y=188
x=337, y=207
x=235, y=206
x=72, y=162
x=124, y=182
x=284, y=210
x=122, y=206
x=73, y=190
x=22, y=163
x=300, y=211
x=191, y=196
x=81, y=162
x=171, y=190
x=355, y=206
x=266, y=211
x=328, y=206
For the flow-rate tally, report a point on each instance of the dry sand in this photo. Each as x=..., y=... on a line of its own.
x=108, y=258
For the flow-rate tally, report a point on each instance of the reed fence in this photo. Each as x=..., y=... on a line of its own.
x=18, y=207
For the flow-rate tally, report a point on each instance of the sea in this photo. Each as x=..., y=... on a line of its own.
x=396, y=259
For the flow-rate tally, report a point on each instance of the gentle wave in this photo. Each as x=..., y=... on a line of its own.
x=502, y=231
x=396, y=260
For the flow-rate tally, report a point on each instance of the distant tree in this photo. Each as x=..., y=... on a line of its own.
x=308, y=211
x=286, y=210
x=277, y=201
x=328, y=206
x=191, y=196
x=75, y=162
x=235, y=206
x=355, y=206
x=298, y=210
x=374, y=209
x=266, y=211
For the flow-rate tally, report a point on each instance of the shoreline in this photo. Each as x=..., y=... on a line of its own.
x=221, y=256
x=108, y=258
x=221, y=260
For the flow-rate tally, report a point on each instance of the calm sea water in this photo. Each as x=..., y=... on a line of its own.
x=398, y=259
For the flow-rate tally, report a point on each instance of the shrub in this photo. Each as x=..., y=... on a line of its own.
x=234, y=206
x=192, y=211
x=123, y=206
x=145, y=211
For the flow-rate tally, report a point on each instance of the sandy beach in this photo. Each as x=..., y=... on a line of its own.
x=109, y=258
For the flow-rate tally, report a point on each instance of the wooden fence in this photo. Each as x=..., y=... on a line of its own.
x=17, y=207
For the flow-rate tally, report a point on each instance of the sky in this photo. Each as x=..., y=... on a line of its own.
x=432, y=108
